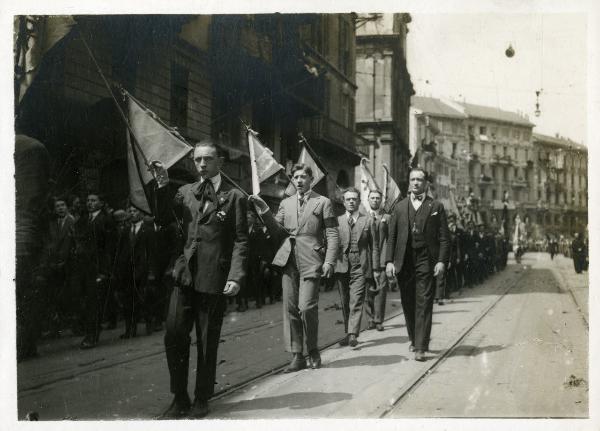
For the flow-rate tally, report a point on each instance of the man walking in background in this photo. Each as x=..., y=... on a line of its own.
x=377, y=292
x=417, y=252
x=354, y=266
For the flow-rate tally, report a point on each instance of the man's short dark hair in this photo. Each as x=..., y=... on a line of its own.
x=100, y=196
x=302, y=167
x=351, y=190
x=209, y=143
x=418, y=170
x=375, y=191
x=60, y=198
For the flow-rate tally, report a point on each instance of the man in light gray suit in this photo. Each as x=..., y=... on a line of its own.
x=354, y=267
x=307, y=253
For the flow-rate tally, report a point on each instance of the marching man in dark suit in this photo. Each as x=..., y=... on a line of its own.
x=136, y=262
x=354, y=266
x=91, y=266
x=54, y=262
x=417, y=252
x=212, y=266
x=305, y=219
x=377, y=292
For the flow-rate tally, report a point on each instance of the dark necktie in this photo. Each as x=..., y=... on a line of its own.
x=418, y=197
x=206, y=193
x=301, y=202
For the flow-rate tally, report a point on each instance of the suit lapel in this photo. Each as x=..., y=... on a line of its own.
x=361, y=224
x=344, y=231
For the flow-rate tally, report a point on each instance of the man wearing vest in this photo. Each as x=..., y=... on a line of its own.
x=377, y=292
x=417, y=252
x=354, y=267
x=305, y=257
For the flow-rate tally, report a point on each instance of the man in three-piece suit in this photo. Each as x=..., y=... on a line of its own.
x=136, y=271
x=91, y=266
x=377, y=293
x=308, y=252
x=212, y=266
x=417, y=252
x=354, y=266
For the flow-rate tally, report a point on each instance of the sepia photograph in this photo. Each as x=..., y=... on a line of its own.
x=299, y=214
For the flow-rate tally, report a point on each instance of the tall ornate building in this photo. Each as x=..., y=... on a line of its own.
x=439, y=144
x=501, y=160
x=384, y=91
x=560, y=186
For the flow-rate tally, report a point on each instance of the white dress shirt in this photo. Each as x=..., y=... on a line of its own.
x=416, y=203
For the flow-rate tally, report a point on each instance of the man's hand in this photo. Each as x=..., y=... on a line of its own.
x=376, y=274
x=438, y=269
x=327, y=270
x=160, y=173
x=231, y=288
x=390, y=270
x=260, y=205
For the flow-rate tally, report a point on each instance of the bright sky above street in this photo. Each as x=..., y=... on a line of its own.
x=462, y=57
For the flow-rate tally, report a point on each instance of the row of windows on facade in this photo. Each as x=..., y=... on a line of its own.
x=456, y=127
x=556, y=198
x=498, y=174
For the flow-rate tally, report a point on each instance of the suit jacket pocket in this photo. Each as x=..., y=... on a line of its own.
x=320, y=249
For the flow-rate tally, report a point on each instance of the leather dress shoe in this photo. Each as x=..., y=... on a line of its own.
x=179, y=408
x=371, y=325
x=344, y=341
x=315, y=359
x=199, y=409
x=411, y=348
x=298, y=363
x=379, y=327
x=352, y=341
x=419, y=356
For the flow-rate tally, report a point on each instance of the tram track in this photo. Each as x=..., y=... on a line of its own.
x=415, y=382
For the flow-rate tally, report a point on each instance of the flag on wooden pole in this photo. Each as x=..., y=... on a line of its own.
x=308, y=158
x=153, y=142
x=391, y=191
x=263, y=164
x=367, y=183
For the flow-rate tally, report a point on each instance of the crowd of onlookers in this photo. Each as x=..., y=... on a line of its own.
x=98, y=266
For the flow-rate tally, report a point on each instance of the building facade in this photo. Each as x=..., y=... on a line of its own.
x=384, y=91
x=501, y=161
x=440, y=146
x=560, y=186
x=281, y=74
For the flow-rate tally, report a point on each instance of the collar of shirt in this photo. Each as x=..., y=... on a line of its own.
x=95, y=214
x=136, y=226
x=304, y=197
x=413, y=197
x=216, y=181
x=354, y=215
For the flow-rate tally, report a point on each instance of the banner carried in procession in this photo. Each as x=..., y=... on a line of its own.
x=153, y=142
x=308, y=158
x=262, y=162
x=391, y=191
x=34, y=36
x=367, y=183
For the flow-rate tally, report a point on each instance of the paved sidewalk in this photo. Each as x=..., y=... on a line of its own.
x=577, y=284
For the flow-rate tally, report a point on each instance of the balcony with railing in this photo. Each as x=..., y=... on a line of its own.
x=485, y=180
x=325, y=129
x=519, y=182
